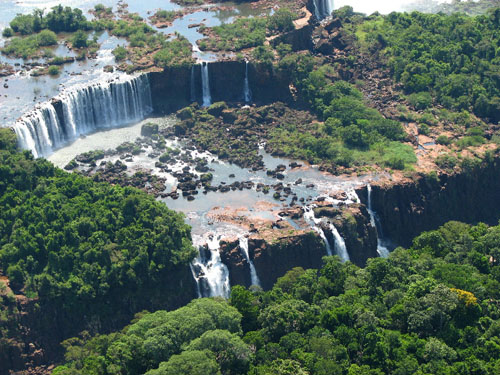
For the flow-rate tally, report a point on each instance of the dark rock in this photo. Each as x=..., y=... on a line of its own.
x=149, y=129
x=273, y=260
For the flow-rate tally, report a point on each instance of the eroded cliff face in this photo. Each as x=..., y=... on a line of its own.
x=409, y=207
x=237, y=264
x=172, y=88
x=272, y=259
x=40, y=328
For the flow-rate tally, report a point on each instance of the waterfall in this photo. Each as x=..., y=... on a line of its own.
x=340, y=248
x=247, y=93
x=193, y=85
x=210, y=274
x=313, y=222
x=39, y=131
x=253, y=272
x=323, y=8
x=207, y=99
x=82, y=111
x=197, y=280
x=382, y=250
x=353, y=196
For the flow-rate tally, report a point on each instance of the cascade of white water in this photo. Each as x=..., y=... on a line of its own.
x=253, y=272
x=213, y=272
x=353, y=196
x=205, y=81
x=197, y=280
x=193, y=86
x=382, y=250
x=323, y=8
x=247, y=93
x=340, y=248
x=39, y=131
x=313, y=222
x=84, y=110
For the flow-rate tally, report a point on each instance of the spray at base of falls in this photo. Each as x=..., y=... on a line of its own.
x=253, y=272
x=205, y=81
x=247, y=93
x=84, y=110
x=323, y=8
x=210, y=274
x=382, y=250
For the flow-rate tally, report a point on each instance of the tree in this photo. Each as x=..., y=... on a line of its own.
x=247, y=305
x=79, y=39
x=188, y=363
x=231, y=353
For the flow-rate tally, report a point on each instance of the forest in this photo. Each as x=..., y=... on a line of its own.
x=453, y=58
x=84, y=249
x=104, y=262
x=430, y=309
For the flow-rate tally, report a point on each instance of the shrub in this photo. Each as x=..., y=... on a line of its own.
x=421, y=100
x=7, y=32
x=443, y=140
x=281, y=20
x=79, y=39
x=120, y=53
x=47, y=38
x=423, y=129
x=53, y=70
x=446, y=162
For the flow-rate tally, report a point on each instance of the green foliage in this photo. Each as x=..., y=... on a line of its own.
x=430, y=309
x=421, y=100
x=120, y=53
x=189, y=2
x=281, y=21
x=7, y=32
x=352, y=133
x=27, y=47
x=53, y=70
x=188, y=363
x=242, y=33
x=59, y=19
x=443, y=140
x=82, y=247
x=79, y=39
x=165, y=15
x=263, y=54
x=176, y=53
x=453, y=59
x=163, y=342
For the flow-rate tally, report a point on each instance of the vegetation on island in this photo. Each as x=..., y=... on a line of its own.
x=246, y=32
x=431, y=309
x=31, y=35
x=340, y=131
x=189, y=2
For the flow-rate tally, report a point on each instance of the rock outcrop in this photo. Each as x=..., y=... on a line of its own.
x=171, y=88
x=353, y=224
x=273, y=259
x=232, y=257
x=426, y=202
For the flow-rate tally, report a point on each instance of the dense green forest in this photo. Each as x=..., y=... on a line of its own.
x=86, y=249
x=431, y=309
x=454, y=58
